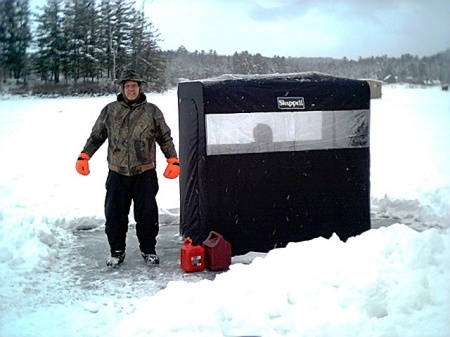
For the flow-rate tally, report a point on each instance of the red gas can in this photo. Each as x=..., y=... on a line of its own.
x=218, y=252
x=192, y=257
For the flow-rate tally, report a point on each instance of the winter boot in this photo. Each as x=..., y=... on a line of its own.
x=116, y=258
x=150, y=259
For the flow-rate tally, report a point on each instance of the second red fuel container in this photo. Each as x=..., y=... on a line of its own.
x=217, y=251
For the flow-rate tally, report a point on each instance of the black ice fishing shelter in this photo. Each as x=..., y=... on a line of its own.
x=266, y=160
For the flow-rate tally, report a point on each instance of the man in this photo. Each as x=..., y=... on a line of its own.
x=132, y=127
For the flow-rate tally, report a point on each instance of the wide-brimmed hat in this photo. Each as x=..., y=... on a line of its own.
x=130, y=75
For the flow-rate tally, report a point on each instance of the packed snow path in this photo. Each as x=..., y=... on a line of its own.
x=91, y=274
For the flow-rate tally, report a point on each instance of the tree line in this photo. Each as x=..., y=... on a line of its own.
x=81, y=46
x=79, y=41
x=435, y=69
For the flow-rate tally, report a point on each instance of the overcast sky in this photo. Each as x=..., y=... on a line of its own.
x=323, y=28
x=334, y=28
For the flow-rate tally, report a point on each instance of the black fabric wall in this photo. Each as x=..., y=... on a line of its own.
x=259, y=201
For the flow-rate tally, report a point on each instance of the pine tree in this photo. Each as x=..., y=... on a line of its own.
x=51, y=41
x=116, y=29
x=80, y=18
x=146, y=56
x=15, y=37
x=92, y=52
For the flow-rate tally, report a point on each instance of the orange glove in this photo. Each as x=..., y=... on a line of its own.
x=173, y=168
x=83, y=164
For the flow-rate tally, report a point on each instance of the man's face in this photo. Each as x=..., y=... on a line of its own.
x=131, y=90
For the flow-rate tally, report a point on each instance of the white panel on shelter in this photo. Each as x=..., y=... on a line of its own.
x=246, y=128
x=258, y=132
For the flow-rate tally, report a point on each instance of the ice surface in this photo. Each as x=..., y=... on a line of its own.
x=389, y=281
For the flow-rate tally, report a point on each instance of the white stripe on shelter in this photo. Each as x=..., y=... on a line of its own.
x=259, y=132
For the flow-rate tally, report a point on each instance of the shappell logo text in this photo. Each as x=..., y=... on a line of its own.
x=291, y=102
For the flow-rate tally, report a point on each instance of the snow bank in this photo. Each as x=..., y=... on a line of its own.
x=390, y=281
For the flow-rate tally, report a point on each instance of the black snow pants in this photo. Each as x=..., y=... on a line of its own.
x=120, y=192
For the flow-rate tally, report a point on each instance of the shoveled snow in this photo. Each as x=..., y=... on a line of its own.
x=390, y=281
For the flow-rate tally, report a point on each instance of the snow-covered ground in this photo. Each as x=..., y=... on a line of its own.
x=391, y=281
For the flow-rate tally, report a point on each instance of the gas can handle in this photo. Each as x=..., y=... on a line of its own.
x=213, y=239
x=213, y=233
